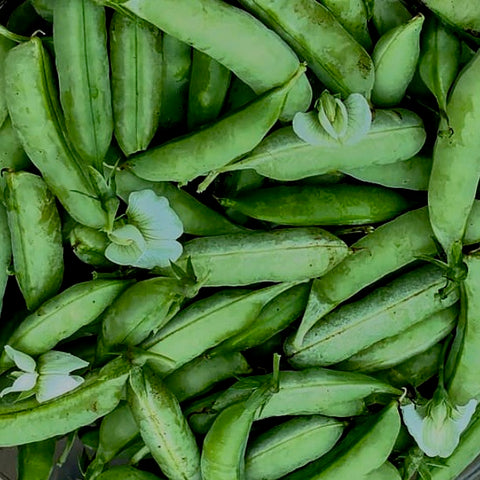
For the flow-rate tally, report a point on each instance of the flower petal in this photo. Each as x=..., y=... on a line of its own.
x=23, y=383
x=307, y=127
x=129, y=248
x=52, y=386
x=463, y=414
x=159, y=254
x=412, y=420
x=55, y=362
x=22, y=360
x=128, y=235
x=359, y=118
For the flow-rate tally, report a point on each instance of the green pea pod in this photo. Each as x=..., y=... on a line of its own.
x=291, y=445
x=61, y=316
x=80, y=40
x=385, y=472
x=386, y=312
x=320, y=205
x=395, y=135
x=375, y=256
x=335, y=57
x=439, y=60
x=142, y=309
x=177, y=65
x=353, y=16
x=203, y=373
x=190, y=156
x=32, y=214
x=35, y=114
x=36, y=460
x=395, y=57
x=396, y=349
x=136, y=63
x=209, y=84
x=5, y=253
x=197, y=218
x=44, y=8
x=284, y=255
x=229, y=36
x=456, y=166
x=412, y=174
x=5, y=46
x=202, y=326
x=28, y=421
x=388, y=14
x=89, y=245
x=238, y=95
x=126, y=472
x=364, y=449
x=163, y=426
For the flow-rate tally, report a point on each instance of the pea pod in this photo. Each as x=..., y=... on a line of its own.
x=80, y=40
x=185, y=158
x=284, y=255
x=385, y=472
x=388, y=14
x=44, y=8
x=5, y=46
x=35, y=114
x=89, y=245
x=36, y=460
x=238, y=95
x=126, y=472
x=395, y=135
x=136, y=63
x=5, y=253
x=163, y=426
x=32, y=214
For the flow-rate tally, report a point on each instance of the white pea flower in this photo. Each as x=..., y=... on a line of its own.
x=149, y=239
x=335, y=122
x=49, y=379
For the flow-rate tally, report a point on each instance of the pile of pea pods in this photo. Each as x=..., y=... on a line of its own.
x=239, y=239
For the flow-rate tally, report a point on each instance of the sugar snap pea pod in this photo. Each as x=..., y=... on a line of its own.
x=208, y=88
x=89, y=245
x=32, y=214
x=335, y=57
x=456, y=165
x=177, y=65
x=395, y=135
x=364, y=449
x=284, y=255
x=290, y=445
x=395, y=57
x=185, y=158
x=229, y=35
x=5, y=253
x=142, y=309
x=36, y=460
x=5, y=46
x=353, y=16
x=385, y=472
x=136, y=64
x=396, y=349
x=61, y=316
x=387, y=311
x=35, y=114
x=320, y=205
x=202, y=325
x=238, y=95
x=388, y=14
x=163, y=426
x=197, y=218
x=126, y=472
x=44, y=8
x=412, y=174
x=439, y=59
x=81, y=57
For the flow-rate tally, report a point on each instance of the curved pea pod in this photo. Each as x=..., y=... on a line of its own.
x=385, y=472
x=188, y=157
x=35, y=230
x=89, y=245
x=209, y=84
x=202, y=325
x=385, y=312
x=162, y=426
x=290, y=445
x=456, y=163
x=125, y=472
x=35, y=114
x=335, y=57
x=177, y=66
x=365, y=448
x=439, y=59
x=95, y=398
x=388, y=14
x=395, y=57
x=136, y=64
x=395, y=135
x=142, y=309
x=201, y=374
x=239, y=94
x=228, y=35
x=284, y=255
x=81, y=57
x=394, y=350
x=62, y=316
x=320, y=205
x=36, y=460
x=44, y=8
x=412, y=174
x=5, y=253
x=5, y=46
x=197, y=218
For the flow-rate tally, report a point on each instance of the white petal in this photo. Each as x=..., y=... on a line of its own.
x=462, y=415
x=439, y=439
x=412, y=420
x=307, y=127
x=52, y=386
x=23, y=383
x=359, y=118
x=55, y=362
x=128, y=235
x=22, y=360
x=129, y=248
x=159, y=254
